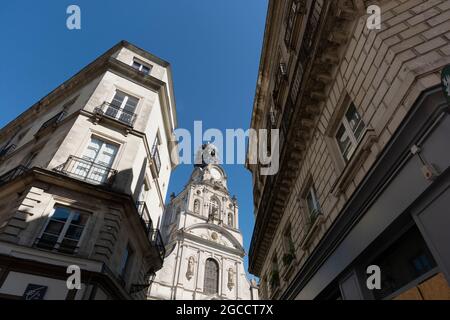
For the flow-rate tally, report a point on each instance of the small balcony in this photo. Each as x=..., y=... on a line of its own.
x=116, y=113
x=154, y=235
x=50, y=124
x=88, y=171
x=12, y=174
x=6, y=150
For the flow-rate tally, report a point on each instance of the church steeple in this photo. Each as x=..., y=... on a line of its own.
x=201, y=231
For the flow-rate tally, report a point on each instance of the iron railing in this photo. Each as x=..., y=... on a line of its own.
x=144, y=214
x=53, y=121
x=117, y=113
x=12, y=174
x=87, y=170
x=156, y=240
x=7, y=150
x=154, y=235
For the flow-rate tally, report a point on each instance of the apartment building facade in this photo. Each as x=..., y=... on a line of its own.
x=83, y=177
x=364, y=157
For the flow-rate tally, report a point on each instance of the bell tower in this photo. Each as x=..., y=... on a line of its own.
x=200, y=227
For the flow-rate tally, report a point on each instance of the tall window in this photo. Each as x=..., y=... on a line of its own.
x=350, y=132
x=123, y=107
x=141, y=66
x=211, y=285
x=99, y=157
x=155, y=153
x=312, y=203
x=125, y=261
x=63, y=230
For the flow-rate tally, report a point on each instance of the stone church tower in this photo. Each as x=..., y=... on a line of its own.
x=204, y=253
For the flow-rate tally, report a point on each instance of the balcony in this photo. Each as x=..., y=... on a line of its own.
x=88, y=171
x=116, y=113
x=50, y=124
x=6, y=150
x=153, y=235
x=12, y=174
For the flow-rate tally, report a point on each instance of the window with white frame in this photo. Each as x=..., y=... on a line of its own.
x=349, y=132
x=312, y=203
x=63, y=230
x=141, y=66
x=123, y=107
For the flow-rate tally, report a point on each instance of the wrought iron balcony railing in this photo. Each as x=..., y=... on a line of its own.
x=117, y=113
x=7, y=150
x=87, y=170
x=154, y=235
x=51, y=123
x=155, y=238
x=144, y=214
x=12, y=174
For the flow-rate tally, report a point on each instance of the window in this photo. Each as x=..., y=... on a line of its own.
x=349, y=132
x=123, y=107
x=100, y=157
x=214, y=206
x=141, y=66
x=125, y=262
x=211, y=285
x=402, y=263
x=288, y=245
x=155, y=154
x=312, y=202
x=63, y=230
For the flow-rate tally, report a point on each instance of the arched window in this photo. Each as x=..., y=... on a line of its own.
x=230, y=219
x=214, y=209
x=211, y=285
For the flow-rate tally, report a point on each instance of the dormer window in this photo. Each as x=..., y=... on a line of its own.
x=141, y=66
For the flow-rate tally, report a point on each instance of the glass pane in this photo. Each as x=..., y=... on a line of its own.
x=131, y=104
x=145, y=69
x=136, y=65
x=74, y=232
x=60, y=214
x=354, y=120
x=343, y=140
x=47, y=241
x=118, y=99
x=211, y=277
x=54, y=227
x=79, y=218
x=68, y=246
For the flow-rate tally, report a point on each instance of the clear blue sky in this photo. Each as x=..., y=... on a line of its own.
x=213, y=46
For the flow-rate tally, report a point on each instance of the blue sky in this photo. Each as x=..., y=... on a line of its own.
x=213, y=46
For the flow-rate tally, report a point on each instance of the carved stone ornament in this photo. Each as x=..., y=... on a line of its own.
x=190, y=268
x=230, y=278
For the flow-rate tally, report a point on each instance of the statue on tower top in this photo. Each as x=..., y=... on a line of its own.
x=207, y=154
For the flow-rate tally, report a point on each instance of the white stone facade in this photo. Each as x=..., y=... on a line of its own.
x=200, y=224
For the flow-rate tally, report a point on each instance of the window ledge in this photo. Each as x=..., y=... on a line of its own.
x=287, y=270
x=360, y=155
x=312, y=231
